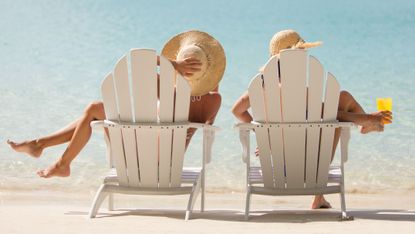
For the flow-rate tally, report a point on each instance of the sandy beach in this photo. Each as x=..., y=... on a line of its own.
x=54, y=212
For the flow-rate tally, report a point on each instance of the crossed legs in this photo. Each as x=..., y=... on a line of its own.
x=76, y=133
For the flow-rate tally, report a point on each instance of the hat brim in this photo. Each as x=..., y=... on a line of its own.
x=213, y=51
x=307, y=45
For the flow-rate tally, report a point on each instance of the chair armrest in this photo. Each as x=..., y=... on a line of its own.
x=244, y=139
x=98, y=124
x=150, y=125
x=204, y=126
x=208, y=131
x=208, y=139
x=244, y=131
x=344, y=143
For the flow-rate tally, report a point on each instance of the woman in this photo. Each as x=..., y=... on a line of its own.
x=349, y=109
x=195, y=55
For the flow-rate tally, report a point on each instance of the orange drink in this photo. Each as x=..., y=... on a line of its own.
x=384, y=104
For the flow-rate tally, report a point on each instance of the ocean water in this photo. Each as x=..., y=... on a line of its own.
x=54, y=54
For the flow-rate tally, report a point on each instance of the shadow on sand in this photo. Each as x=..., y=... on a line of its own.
x=264, y=216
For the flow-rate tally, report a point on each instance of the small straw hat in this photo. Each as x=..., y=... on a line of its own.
x=203, y=47
x=289, y=39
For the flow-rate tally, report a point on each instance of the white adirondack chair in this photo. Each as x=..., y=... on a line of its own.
x=294, y=133
x=147, y=134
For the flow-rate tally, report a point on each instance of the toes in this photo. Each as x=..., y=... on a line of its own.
x=41, y=173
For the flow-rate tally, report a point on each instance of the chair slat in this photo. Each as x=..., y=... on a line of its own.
x=273, y=110
x=124, y=104
x=147, y=145
x=144, y=84
x=181, y=113
x=293, y=64
x=123, y=90
x=167, y=80
x=144, y=92
x=130, y=151
x=111, y=113
x=256, y=98
x=331, y=103
x=314, y=106
x=109, y=98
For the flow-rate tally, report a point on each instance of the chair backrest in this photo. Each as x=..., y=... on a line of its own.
x=290, y=90
x=146, y=157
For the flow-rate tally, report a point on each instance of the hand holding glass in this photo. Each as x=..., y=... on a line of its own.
x=384, y=104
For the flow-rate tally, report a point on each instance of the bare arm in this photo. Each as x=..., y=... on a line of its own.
x=240, y=108
x=185, y=67
x=350, y=111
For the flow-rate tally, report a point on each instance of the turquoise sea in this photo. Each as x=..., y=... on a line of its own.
x=54, y=54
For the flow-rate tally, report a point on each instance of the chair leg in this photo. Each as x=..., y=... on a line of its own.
x=192, y=199
x=99, y=198
x=248, y=200
x=110, y=202
x=202, y=198
x=344, y=216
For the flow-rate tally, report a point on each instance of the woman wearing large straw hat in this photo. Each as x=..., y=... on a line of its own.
x=349, y=109
x=200, y=59
x=202, y=47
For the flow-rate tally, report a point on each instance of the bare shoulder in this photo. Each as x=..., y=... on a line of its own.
x=345, y=95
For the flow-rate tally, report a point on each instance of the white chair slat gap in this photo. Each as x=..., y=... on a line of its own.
x=273, y=110
x=331, y=103
x=111, y=113
x=181, y=113
x=314, y=107
x=256, y=99
x=167, y=83
x=293, y=94
x=144, y=92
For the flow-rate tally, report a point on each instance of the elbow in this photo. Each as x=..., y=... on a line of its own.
x=235, y=111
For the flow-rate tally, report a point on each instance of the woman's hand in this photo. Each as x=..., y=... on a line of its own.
x=376, y=121
x=187, y=66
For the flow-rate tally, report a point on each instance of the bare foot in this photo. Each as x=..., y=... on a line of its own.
x=370, y=128
x=58, y=169
x=32, y=148
x=320, y=203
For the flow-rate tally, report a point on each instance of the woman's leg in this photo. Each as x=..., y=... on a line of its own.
x=35, y=147
x=80, y=137
x=347, y=104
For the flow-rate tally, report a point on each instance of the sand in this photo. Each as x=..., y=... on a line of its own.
x=54, y=212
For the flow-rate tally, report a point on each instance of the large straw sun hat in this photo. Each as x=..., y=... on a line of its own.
x=204, y=47
x=288, y=39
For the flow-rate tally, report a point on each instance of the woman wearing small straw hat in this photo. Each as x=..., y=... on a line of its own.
x=196, y=55
x=349, y=109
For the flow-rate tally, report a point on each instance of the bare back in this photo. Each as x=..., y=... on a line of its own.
x=203, y=109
